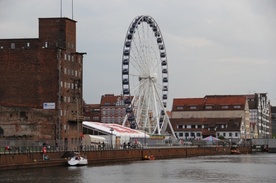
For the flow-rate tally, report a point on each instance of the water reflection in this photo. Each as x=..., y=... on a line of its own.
x=227, y=169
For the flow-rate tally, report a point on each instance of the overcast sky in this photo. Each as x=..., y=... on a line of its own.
x=213, y=46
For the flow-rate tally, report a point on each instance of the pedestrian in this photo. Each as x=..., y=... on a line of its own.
x=44, y=152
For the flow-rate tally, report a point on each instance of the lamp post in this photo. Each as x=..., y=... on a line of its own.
x=111, y=137
x=145, y=140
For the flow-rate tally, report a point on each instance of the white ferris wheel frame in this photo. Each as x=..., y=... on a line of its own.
x=145, y=77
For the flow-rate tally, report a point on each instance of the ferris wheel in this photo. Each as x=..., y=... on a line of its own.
x=145, y=80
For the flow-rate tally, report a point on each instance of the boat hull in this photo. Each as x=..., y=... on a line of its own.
x=77, y=161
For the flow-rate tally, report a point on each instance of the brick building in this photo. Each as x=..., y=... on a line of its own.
x=37, y=73
x=92, y=112
x=112, y=109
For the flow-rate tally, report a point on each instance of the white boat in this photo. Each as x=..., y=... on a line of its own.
x=77, y=160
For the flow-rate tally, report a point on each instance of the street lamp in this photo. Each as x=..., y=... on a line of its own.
x=145, y=140
x=111, y=137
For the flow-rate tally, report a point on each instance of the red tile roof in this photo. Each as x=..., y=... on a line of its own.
x=214, y=100
x=109, y=99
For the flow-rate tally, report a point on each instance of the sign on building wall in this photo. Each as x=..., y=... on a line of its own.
x=49, y=105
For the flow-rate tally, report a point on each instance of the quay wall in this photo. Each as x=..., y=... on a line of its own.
x=100, y=157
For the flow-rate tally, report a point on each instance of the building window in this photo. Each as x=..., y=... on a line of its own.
x=65, y=56
x=224, y=107
x=180, y=134
x=179, y=107
x=208, y=107
x=237, y=106
x=230, y=134
x=69, y=57
x=61, y=84
x=193, y=107
x=180, y=126
x=224, y=134
x=12, y=45
x=65, y=71
x=236, y=134
x=95, y=118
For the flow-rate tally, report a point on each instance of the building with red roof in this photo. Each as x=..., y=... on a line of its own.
x=217, y=115
x=112, y=109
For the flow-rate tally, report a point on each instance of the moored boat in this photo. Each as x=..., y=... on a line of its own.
x=77, y=160
x=151, y=157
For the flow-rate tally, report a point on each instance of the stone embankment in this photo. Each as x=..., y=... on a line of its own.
x=33, y=160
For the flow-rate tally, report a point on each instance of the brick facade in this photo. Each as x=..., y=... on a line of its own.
x=42, y=70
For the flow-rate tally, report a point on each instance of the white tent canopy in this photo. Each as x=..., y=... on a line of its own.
x=116, y=130
x=211, y=139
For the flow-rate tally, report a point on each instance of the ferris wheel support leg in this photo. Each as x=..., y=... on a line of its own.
x=156, y=111
x=175, y=138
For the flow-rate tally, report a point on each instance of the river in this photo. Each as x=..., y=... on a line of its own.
x=259, y=167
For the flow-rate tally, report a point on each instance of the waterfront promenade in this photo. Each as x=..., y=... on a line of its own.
x=17, y=160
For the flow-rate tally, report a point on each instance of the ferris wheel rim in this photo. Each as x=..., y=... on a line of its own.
x=163, y=64
x=134, y=23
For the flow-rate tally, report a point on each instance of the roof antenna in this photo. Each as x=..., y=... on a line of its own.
x=60, y=8
x=72, y=9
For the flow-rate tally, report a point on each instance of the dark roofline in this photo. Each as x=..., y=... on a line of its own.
x=59, y=18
